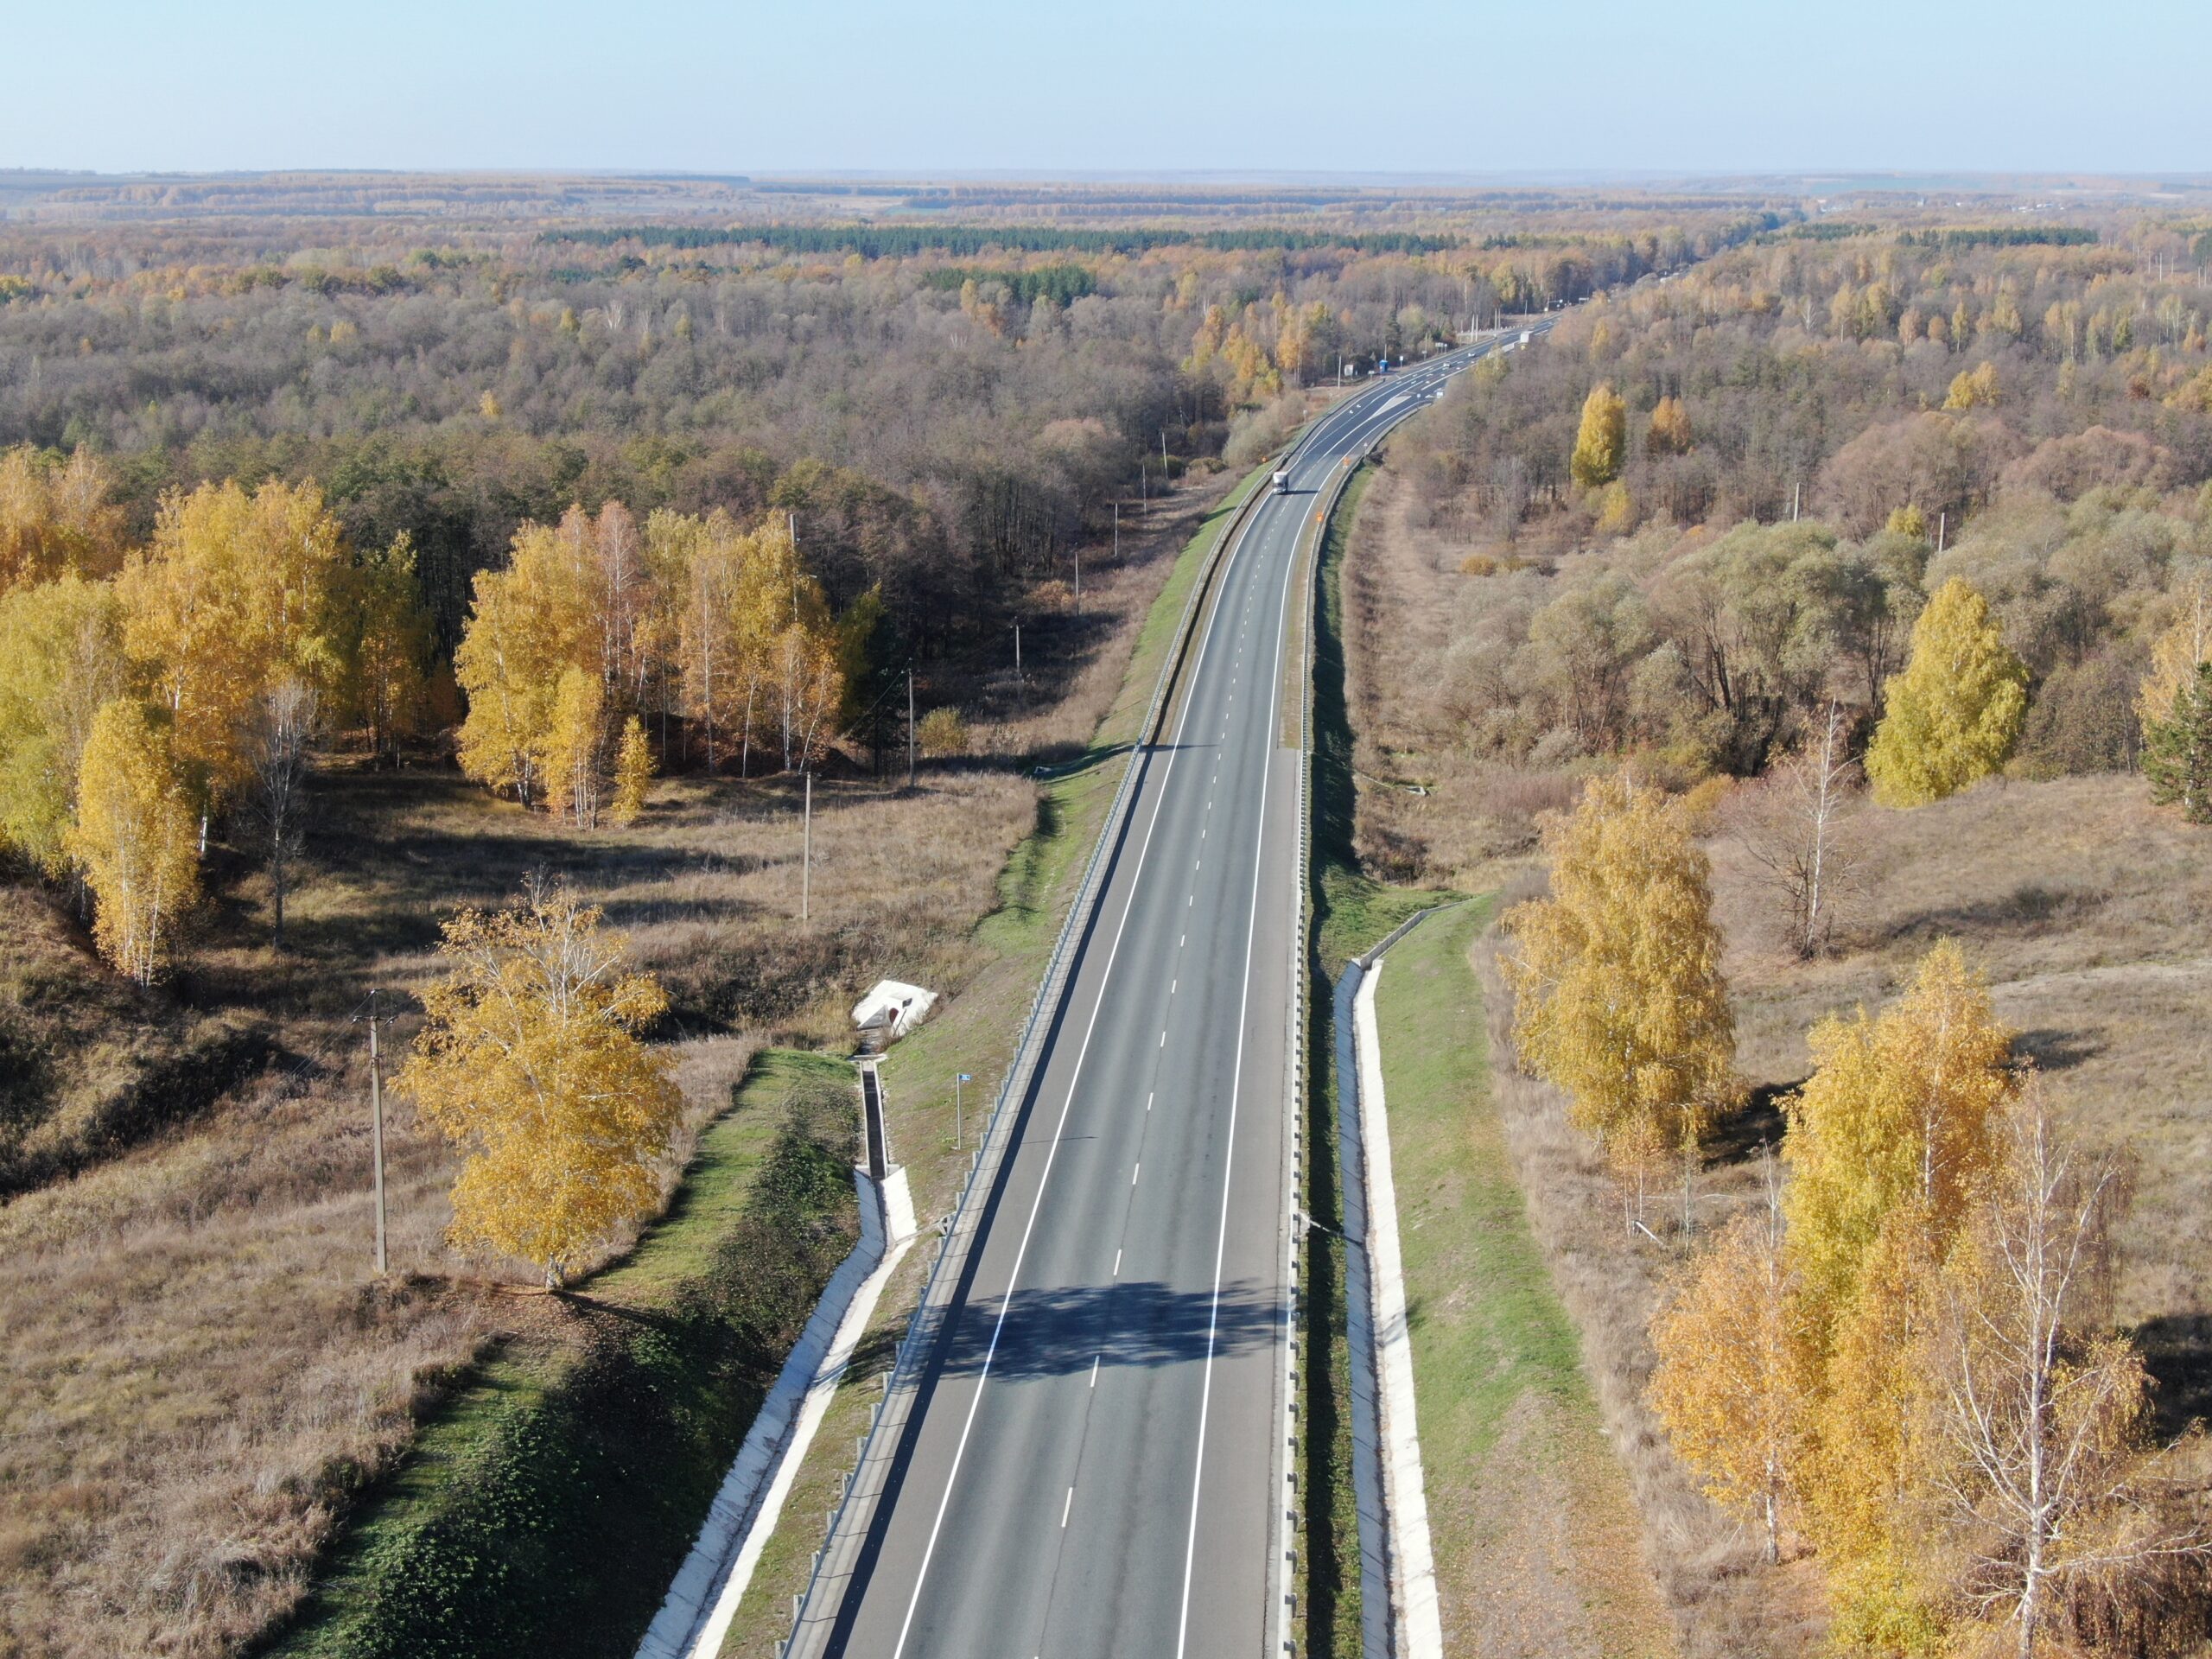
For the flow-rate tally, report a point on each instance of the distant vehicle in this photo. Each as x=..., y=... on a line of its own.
x=1526, y=336
x=1282, y=480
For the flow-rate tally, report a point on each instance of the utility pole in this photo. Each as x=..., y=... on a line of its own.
x=806, y=851
x=909, y=728
x=1166, y=478
x=376, y=1126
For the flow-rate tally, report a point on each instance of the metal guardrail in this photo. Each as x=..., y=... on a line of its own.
x=958, y=1227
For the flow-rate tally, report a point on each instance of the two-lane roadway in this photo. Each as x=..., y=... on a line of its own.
x=1094, y=1464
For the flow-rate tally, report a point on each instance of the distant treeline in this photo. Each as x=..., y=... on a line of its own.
x=902, y=241
x=1060, y=283
x=2002, y=236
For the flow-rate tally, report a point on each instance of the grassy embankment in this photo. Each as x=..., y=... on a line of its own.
x=975, y=1032
x=1534, y=1530
x=1350, y=913
x=545, y=1508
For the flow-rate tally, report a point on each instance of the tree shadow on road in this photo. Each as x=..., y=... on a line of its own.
x=1137, y=1322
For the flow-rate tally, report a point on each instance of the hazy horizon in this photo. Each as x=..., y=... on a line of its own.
x=1715, y=89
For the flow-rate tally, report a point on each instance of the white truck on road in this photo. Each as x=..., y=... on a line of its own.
x=1282, y=480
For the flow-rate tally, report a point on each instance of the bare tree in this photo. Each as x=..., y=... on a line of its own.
x=283, y=733
x=1797, y=825
x=2048, y=1485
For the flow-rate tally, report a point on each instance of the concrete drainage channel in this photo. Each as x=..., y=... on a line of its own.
x=696, y=1616
x=1400, y=1617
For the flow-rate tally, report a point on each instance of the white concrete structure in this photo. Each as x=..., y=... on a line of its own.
x=696, y=1617
x=895, y=1005
x=1413, y=1566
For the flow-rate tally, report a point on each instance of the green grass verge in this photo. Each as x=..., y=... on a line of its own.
x=547, y=1506
x=1352, y=913
x=1487, y=1326
x=1510, y=1425
x=1157, y=636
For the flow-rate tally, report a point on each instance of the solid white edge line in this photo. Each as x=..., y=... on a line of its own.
x=967, y=1427
x=1273, y=734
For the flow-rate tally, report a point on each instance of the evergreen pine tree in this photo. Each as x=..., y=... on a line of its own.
x=2178, y=751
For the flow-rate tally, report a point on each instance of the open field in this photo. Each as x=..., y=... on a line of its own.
x=2086, y=908
x=199, y=1366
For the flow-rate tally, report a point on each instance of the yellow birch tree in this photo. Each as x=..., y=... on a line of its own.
x=61, y=662
x=1601, y=441
x=1731, y=1382
x=1618, y=994
x=134, y=839
x=529, y=1059
x=237, y=592
x=571, y=751
x=633, y=773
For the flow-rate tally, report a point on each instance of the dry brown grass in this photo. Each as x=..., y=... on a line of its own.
x=199, y=1363
x=2089, y=911
x=1410, y=615
x=1724, y=1602
x=1073, y=667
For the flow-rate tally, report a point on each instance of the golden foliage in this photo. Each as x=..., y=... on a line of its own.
x=1601, y=441
x=633, y=773
x=1618, y=994
x=943, y=733
x=1731, y=1385
x=1975, y=388
x=238, y=591
x=134, y=838
x=529, y=1058
x=529, y=622
x=60, y=660
x=1896, y=1112
x=56, y=518
x=570, y=753
x=2185, y=642
x=1670, y=431
x=1953, y=714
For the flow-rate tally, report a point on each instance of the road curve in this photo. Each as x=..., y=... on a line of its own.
x=1093, y=1463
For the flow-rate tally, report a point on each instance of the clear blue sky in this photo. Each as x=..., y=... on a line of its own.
x=1394, y=86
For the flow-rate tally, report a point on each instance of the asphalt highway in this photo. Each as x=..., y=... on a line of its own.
x=1094, y=1466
